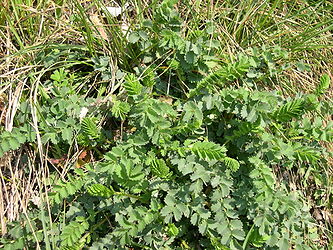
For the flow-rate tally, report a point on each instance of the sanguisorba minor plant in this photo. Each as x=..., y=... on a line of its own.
x=198, y=173
x=190, y=154
x=187, y=174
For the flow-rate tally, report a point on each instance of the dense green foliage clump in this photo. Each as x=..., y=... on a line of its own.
x=194, y=159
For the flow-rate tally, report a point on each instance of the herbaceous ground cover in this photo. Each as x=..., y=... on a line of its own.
x=166, y=124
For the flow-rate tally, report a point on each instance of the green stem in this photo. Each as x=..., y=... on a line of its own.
x=246, y=241
x=127, y=195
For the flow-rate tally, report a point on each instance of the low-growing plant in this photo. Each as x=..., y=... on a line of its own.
x=188, y=151
x=196, y=173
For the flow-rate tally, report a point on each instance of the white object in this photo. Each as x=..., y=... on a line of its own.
x=116, y=11
x=83, y=113
x=125, y=29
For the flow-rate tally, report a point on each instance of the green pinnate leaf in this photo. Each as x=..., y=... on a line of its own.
x=89, y=128
x=49, y=136
x=256, y=239
x=172, y=229
x=99, y=190
x=208, y=150
x=134, y=37
x=169, y=212
x=307, y=154
x=149, y=78
x=203, y=226
x=283, y=243
x=11, y=140
x=67, y=134
x=291, y=109
x=238, y=234
x=72, y=232
x=192, y=111
x=14, y=143
x=128, y=174
x=59, y=75
x=200, y=173
x=120, y=109
x=231, y=163
x=159, y=168
x=63, y=190
x=77, y=246
x=132, y=85
x=5, y=145
x=225, y=74
x=323, y=85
